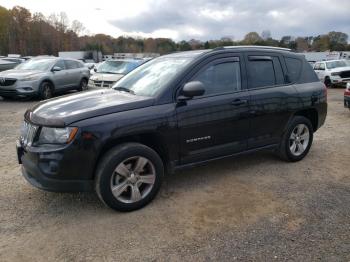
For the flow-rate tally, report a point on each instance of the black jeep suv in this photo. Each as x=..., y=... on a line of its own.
x=175, y=111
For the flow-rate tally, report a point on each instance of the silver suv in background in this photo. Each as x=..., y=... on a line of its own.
x=110, y=71
x=43, y=77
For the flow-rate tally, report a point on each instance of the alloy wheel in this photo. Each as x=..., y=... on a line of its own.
x=299, y=139
x=133, y=179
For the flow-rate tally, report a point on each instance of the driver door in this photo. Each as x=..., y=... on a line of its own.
x=60, y=77
x=217, y=123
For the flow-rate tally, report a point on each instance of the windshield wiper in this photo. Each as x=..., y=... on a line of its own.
x=120, y=88
x=105, y=72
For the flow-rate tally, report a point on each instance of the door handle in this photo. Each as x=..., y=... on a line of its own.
x=238, y=102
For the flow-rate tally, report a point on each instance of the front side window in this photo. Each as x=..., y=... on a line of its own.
x=70, y=64
x=60, y=64
x=220, y=78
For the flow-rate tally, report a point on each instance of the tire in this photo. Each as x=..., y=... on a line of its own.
x=135, y=182
x=328, y=82
x=83, y=85
x=46, y=90
x=300, y=127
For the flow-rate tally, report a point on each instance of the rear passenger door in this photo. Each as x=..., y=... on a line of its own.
x=272, y=98
x=74, y=74
x=216, y=123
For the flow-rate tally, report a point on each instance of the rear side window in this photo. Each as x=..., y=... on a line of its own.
x=294, y=68
x=220, y=78
x=264, y=71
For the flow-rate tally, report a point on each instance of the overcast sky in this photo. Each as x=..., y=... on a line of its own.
x=199, y=19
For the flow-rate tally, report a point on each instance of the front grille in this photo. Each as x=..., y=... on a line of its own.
x=98, y=83
x=7, y=81
x=7, y=92
x=344, y=74
x=103, y=83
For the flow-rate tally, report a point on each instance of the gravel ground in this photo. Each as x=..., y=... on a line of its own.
x=254, y=208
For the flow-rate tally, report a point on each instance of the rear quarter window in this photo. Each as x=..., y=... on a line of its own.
x=294, y=67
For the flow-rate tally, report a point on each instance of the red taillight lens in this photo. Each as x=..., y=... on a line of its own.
x=347, y=90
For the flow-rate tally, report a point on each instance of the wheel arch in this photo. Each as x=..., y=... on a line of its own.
x=47, y=80
x=153, y=140
x=310, y=114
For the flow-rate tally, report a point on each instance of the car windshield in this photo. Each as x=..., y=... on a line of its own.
x=117, y=67
x=153, y=76
x=335, y=64
x=42, y=65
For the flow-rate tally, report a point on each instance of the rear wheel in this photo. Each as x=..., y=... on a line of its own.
x=297, y=140
x=83, y=85
x=46, y=90
x=129, y=176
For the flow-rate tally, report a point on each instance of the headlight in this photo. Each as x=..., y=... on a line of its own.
x=30, y=78
x=335, y=73
x=49, y=135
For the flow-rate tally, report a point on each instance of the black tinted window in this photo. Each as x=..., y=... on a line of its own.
x=60, y=64
x=294, y=68
x=261, y=73
x=70, y=64
x=220, y=78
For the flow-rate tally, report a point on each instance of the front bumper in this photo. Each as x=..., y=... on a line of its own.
x=347, y=101
x=47, y=170
x=20, y=89
x=339, y=81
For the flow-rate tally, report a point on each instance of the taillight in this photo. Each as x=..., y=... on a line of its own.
x=347, y=90
x=325, y=91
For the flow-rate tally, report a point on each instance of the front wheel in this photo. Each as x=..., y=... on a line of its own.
x=297, y=140
x=328, y=82
x=46, y=90
x=129, y=176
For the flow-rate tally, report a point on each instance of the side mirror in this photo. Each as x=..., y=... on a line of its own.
x=191, y=89
x=95, y=69
x=56, y=68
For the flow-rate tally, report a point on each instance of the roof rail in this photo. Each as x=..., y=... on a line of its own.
x=253, y=46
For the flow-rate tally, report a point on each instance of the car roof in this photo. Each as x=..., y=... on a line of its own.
x=195, y=53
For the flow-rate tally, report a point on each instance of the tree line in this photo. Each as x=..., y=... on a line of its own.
x=22, y=32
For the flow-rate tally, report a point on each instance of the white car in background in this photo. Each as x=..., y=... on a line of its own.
x=110, y=71
x=333, y=72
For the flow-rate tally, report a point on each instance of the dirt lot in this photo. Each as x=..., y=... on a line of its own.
x=252, y=207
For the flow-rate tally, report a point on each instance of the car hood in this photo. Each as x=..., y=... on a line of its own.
x=18, y=74
x=106, y=77
x=68, y=109
x=340, y=69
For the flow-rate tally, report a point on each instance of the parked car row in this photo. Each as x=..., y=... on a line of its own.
x=46, y=76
